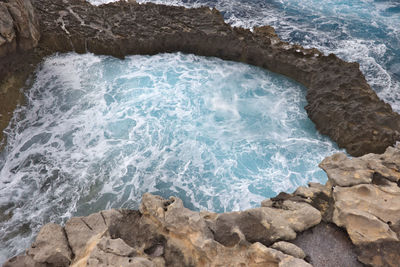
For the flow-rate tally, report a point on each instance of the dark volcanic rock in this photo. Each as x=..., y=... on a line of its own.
x=340, y=102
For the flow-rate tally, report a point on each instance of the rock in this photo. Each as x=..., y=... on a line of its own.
x=380, y=254
x=8, y=43
x=343, y=171
x=23, y=261
x=265, y=225
x=274, y=258
x=367, y=212
x=340, y=102
x=370, y=211
x=290, y=249
x=115, y=252
x=51, y=246
x=82, y=231
x=19, y=27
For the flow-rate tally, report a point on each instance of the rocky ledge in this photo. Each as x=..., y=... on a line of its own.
x=361, y=196
x=340, y=102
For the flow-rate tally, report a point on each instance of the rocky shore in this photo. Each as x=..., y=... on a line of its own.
x=361, y=197
x=340, y=102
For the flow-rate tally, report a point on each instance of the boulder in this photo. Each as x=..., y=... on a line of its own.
x=290, y=249
x=51, y=246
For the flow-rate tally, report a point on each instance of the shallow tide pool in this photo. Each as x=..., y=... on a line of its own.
x=98, y=132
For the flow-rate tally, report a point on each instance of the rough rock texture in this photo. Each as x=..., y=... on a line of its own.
x=19, y=27
x=340, y=102
x=165, y=233
x=361, y=196
x=19, y=33
x=51, y=246
x=327, y=245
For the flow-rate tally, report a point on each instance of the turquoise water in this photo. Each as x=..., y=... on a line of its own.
x=365, y=31
x=98, y=132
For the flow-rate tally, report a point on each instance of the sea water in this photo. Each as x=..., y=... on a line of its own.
x=77, y=148
x=364, y=31
x=97, y=132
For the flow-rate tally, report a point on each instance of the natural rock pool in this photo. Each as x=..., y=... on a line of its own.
x=98, y=132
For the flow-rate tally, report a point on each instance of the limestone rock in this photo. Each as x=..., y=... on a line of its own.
x=82, y=230
x=51, y=246
x=367, y=212
x=343, y=171
x=290, y=249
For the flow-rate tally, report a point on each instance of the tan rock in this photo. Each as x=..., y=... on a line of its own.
x=51, y=246
x=80, y=230
x=344, y=171
x=367, y=212
x=290, y=249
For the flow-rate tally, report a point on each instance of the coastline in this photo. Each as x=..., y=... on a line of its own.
x=340, y=103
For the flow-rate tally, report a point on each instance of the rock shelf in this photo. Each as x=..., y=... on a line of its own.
x=362, y=195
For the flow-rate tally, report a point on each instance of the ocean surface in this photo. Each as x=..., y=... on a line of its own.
x=97, y=132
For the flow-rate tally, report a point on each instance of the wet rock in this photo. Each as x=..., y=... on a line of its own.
x=51, y=246
x=290, y=249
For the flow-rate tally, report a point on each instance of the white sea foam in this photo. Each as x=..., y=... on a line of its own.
x=98, y=132
x=364, y=31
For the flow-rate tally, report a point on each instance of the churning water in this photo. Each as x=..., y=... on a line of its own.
x=98, y=132
x=365, y=31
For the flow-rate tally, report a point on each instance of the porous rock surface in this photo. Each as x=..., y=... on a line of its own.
x=361, y=196
x=165, y=233
x=340, y=101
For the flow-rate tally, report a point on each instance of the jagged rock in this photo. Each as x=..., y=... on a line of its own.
x=290, y=249
x=51, y=246
x=19, y=27
x=266, y=224
x=82, y=231
x=340, y=102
